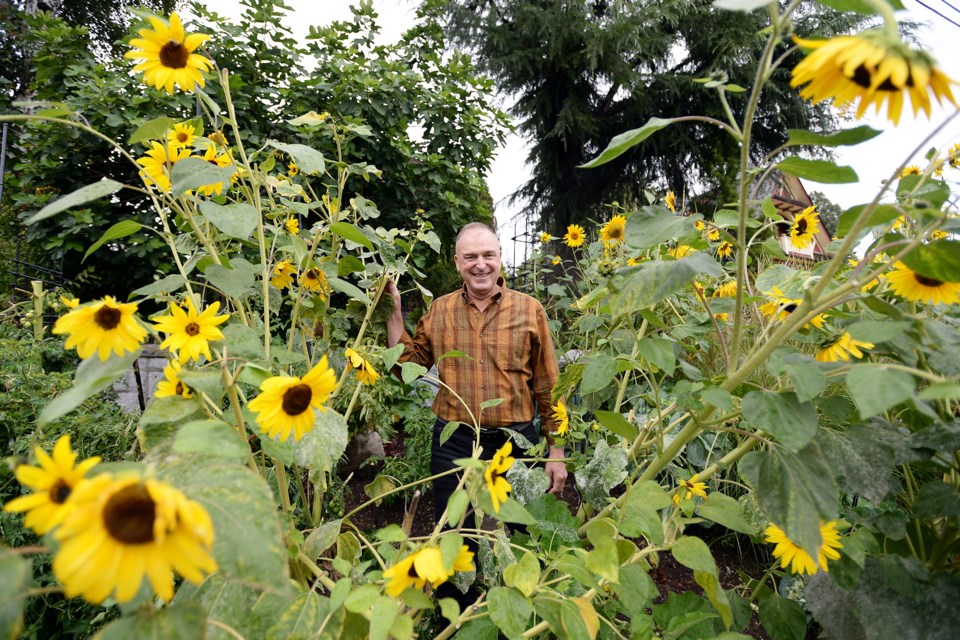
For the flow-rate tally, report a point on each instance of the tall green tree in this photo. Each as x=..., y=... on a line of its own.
x=581, y=72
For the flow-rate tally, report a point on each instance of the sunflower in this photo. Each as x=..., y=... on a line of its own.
x=102, y=327
x=681, y=251
x=493, y=475
x=293, y=170
x=189, y=333
x=722, y=317
x=172, y=385
x=314, y=280
x=287, y=403
x=909, y=284
x=712, y=235
x=70, y=303
x=912, y=170
x=556, y=260
x=562, y=417
x=632, y=262
x=953, y=158
x=575, y=236
x=800, y=562
x=283, y=275
x=120, y=530
x=614, y=231
x=182, y=135
x=166, y=55
x=781, y=307
x=671, y=201
x=292, y=225
x=221, y=160
x=366, y=374
x=545, y=237
x=726, y=290
x=53, y=482
x=804, y=227
x=689, y=489
x=841, y=347
x=402, y=576
x=870, y=68
x=725, y=250
x=157, y=162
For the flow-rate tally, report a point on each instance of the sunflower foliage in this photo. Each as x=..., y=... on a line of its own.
x=711, y=384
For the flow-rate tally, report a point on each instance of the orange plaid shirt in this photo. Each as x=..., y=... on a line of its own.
x=511, y=356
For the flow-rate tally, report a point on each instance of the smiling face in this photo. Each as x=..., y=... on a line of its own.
x=478, y=261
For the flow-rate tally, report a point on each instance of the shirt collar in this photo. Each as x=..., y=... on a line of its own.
x=501, y=283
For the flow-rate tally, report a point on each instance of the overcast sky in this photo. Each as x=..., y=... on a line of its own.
x=873, y=160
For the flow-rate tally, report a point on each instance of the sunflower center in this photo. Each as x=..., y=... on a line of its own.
x=182, y=137
x=861, y=76
x=790, y=308
x=129, y=515
x=59, y=492
x=192, y=329
x=801, y=227
x=927, y=282
x=107, y=318
x=180, y=388
x=174, y=55
x=297, y=399
x=412, y=572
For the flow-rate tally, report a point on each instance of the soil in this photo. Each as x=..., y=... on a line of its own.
x=669, y=575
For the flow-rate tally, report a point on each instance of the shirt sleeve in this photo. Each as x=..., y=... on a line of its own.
x=418, y=348
x=545, y=373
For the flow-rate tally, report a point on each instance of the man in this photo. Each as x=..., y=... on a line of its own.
x=511, y=356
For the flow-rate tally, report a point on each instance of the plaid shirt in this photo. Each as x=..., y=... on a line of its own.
x=511, y=356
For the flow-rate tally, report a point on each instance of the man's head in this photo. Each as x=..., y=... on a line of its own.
x=478, y=259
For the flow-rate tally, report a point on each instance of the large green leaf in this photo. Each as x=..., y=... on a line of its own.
x=555, y=526
x=244, y=609
x=92, y=376
x=650, y=226
x=236, y=220
x=192, y=173
x=15, y=576
x=822, y=171
x=237, y=280
x=724, y=510
x=938, y=260
x=82, y=195
x=186, y=621
x=843, y=138
x=875, y=388
x=882, y=214
x=862, y=461
x=606, y=470
x=509, y=610
x=302, y=618
x=796, y=490
x=782, y=617
x=623, y=142
x=308, y=159
x=658, y=352
x=352, y=233
x=213, y=438
x=616, y=423
x=321, y=448
x=694, y=553
x=351, y=290
x=248, y=545
x=653, y=281
x=122, y=229
x=859, y=6
x=169, y=284
x=792, y=422
x=599, y=374
x=155, y=129
x=807, y=377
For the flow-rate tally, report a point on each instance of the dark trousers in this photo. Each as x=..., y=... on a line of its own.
x=460, y=445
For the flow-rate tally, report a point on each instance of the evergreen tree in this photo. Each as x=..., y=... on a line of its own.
x=581, y=72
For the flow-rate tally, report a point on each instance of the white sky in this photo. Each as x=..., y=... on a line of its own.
x=873, y=160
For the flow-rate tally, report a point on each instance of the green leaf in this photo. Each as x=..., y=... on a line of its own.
x=82, y=195
x=349, y=289
x=213, y=438
x=92, y=376
x=307, y=158
x=351, y=233
x=192, y=173
x=410, y=371
x=122, y=229
x=236, y=220
x=321, y=538
x=694, y=553
x=15, y=578
x=653, y=281
x=859, y=6
x=882, y=214
x=242, y=341
x=349, y=264
x=302, y=618
x=322, y=446
x=724, y=510
x=745, y=6
x=937, y=500
x=362, y=598
x=237, y=280
x=208, y=381
x=184, y=621
x=822, y=171
x=616, y=423
x=792, y=422
x=448, y=430
x=155, y=129
x=248, y=545
x=782, y=617
x=636, y=589
x=509, y=610
x=938, y=260
x=847, y=137
x=169, y=284
x=391, y=355
x=941, y=391
x=626, y=140
x=862, y=460
x=769, y=209
x=523, y=575
x=489, y=404
x=875, y=388
x=658, y=352
x=555, y=526
x=718, y=397
x=876, y=331
x=650, y=226
x=599, y=374
x=606, y=470
x=795, y=490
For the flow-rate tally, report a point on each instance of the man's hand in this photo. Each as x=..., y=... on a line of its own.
x=556, y=470
x=395, y=321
